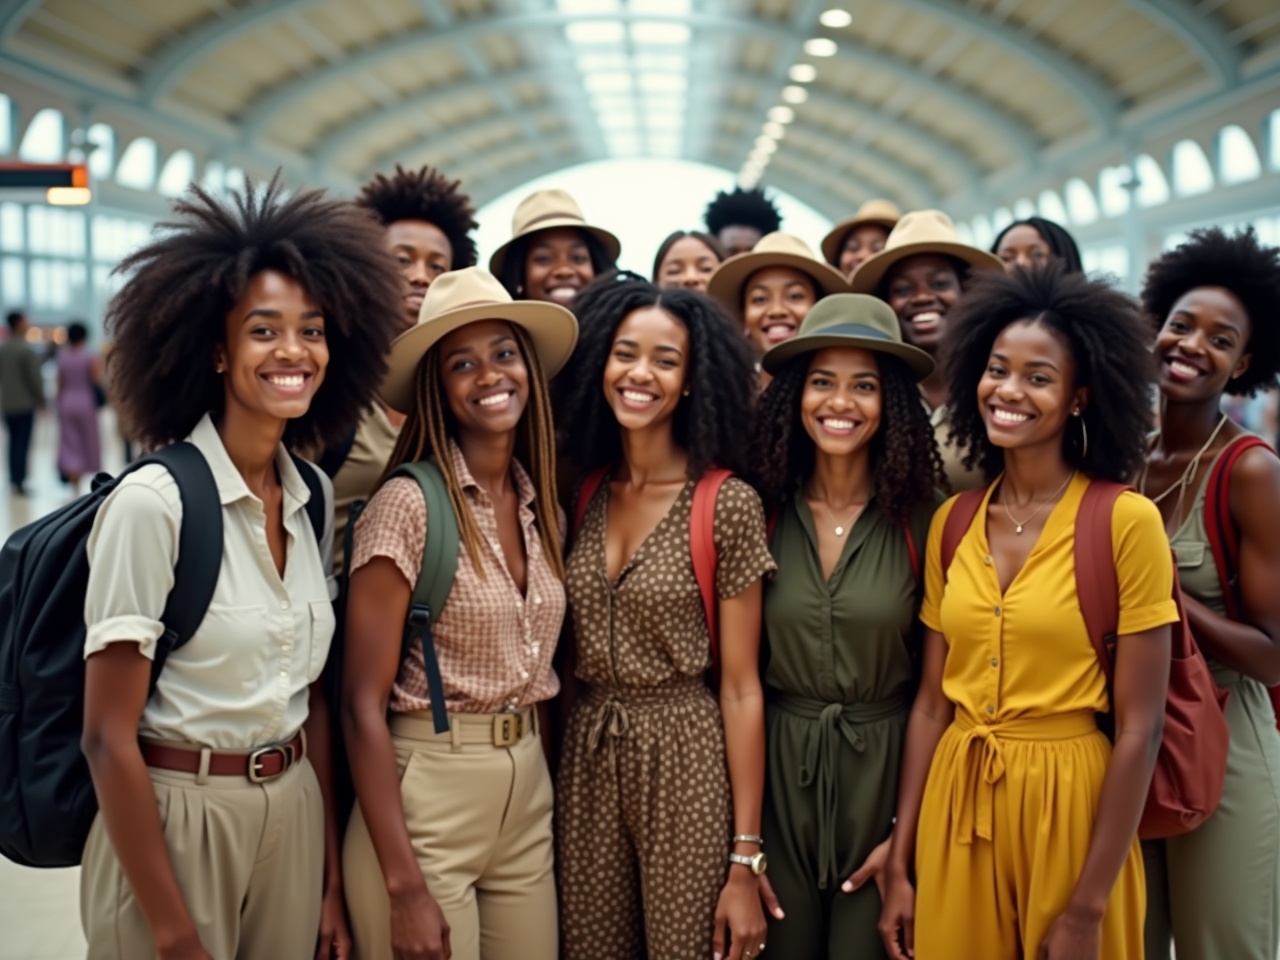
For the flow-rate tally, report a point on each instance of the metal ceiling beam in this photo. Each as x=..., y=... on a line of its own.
x=278, y=102
x=1203, y=34
x=11, y=20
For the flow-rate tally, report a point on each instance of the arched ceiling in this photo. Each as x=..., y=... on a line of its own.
x=922, y=101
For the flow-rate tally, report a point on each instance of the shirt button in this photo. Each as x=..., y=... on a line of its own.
x=536, y=648
x=537, y=601
x=524, y=674
x=997, y=611
x=990, y=709
x=284, y=604
x=995, y=662
x=288, y=647
x=284, y=674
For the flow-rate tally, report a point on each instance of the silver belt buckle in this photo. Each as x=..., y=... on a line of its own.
x=508, y=728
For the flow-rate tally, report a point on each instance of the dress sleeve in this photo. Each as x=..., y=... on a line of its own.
x=132, y=550
x=742, y=546
x=1143, y=565
x=935, y=583
x=393, y=525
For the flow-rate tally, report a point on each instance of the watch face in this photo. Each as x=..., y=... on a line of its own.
x=760, y=864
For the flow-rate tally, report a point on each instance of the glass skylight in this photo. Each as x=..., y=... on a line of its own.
x=594, y=32
x=667, y=34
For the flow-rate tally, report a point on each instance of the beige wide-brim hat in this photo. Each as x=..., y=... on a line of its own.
x=547, y=210
x=773, y=250
x=850, y=320
x=920, y=231
x=465, y=296
x=883, y=213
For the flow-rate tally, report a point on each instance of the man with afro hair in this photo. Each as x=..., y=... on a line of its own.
x=427, y=221
x=1212, y=302
x=738, y=219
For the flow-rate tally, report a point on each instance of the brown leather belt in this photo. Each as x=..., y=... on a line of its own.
x=265, y=763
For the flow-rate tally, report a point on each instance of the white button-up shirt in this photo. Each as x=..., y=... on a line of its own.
x=241, y=681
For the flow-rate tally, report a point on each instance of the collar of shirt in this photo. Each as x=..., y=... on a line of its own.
x=231, y=485
x=524, y=485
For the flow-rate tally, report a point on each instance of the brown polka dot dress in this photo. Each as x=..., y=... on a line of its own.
x=643, y=806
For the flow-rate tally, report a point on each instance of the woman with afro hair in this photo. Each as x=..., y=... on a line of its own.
x=656, y=774
x=848, y=466
x=216, y=836
x=1020, y=814
x=738, y=219
x=1215, y=892
x=427, y=222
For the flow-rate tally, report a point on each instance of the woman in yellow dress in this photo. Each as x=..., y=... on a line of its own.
x=1022, y=817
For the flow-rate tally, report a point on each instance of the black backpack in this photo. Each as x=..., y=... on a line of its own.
x=47, y=803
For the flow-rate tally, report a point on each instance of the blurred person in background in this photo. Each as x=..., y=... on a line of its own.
x=860, y=237
x=687, y=258
x=79, y=397
x=740, y=219
x=1031, y=242
x=21, y=395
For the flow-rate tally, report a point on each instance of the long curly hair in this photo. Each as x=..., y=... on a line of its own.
x=170, y=316
x=1241, y=264
x=1108, y=339
x=749, y=208
x=429, y=195
x=712, y=425
x=905, y=461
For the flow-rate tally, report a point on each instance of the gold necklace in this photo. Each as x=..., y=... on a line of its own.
x=1017, y=524
x=840, y=528
x=1184, y=481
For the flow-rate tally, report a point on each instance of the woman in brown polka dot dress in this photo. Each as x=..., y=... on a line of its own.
x=657, y=779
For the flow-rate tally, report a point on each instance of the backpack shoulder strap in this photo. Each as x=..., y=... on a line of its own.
x=332, y=458
x=590, y=484
x=958, y=522
x=1224, y=537
x=702, y=548
x=913, y=552
x=435, y=576
x=1097, y=584
x=195, y=575
x=317, y=508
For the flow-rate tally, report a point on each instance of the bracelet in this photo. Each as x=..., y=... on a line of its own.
x=748, y=838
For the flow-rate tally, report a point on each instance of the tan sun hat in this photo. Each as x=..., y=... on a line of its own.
x=465, y=296
x=773, y=250
x=546, y=210
x=920, y=231
x=850, y=320
x=883, y=213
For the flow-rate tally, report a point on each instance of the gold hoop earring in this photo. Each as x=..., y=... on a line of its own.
x=1084, y=435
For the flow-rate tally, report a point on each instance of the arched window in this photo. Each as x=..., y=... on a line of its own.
x=102, y=158
x=234, y=179
x=1023, y=208
x=983, y=235
x=965, y=234
x=1153, y=188
x=1192, y=174
x=1273, y=138
x=1082, y=206
x=1238, y=160
x=1113, y=190
x=1001, y=218
x=179, y=170
x=6, y=124
x=137, y=167
x=46, y=138
x=215, y=178
x=1052, y=207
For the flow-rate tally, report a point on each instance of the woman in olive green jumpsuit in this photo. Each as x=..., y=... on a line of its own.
x=849, y=473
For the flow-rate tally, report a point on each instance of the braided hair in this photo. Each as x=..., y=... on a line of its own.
x=905, y=462
x=430, y=425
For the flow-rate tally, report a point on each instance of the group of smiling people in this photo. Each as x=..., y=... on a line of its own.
x=698, y=573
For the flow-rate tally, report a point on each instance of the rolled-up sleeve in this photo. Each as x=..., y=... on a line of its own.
x=132, y=551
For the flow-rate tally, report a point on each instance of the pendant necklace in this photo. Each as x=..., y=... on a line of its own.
x=840, y=528
x=1183, y=482
x=1019, y=524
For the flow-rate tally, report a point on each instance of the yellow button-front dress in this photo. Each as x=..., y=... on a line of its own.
x=1012, y=795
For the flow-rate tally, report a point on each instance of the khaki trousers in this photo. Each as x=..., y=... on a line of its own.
x=479, y=819
x=249, y=859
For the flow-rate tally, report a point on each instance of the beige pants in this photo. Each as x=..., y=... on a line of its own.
x=249, y=859
x=479, y=818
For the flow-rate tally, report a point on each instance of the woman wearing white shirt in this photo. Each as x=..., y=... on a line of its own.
x=207, y=846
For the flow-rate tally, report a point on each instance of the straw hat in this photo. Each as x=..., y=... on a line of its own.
x=920, y=231
x=850, y=320
x=773, y=250
x=883, y=213
x=546, y=210
x=465, y=296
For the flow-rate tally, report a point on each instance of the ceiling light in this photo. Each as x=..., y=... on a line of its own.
x=765, y=145
x=594, y=32
x=774, y=130
x=661, y=62
x=663, y=82
x=803, y=72
x=68, y=196
x=836, y=19
x=612, y=103
x=663, y=33
x=587, y=7
x=781, y=114
x=661, y=8
x=661, y=104
x=600, y=62
x=607, y=82
x=795, y=94
x=820, y=47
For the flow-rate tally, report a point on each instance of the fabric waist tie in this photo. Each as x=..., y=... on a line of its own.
x=610, y=705
x=821, y=758
x=981, y=762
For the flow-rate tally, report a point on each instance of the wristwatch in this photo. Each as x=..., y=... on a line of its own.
x=757, y=862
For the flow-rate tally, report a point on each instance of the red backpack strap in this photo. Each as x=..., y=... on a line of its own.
x=702, y=548
x=1097, y=584
x=959, y=520
x=915, y=553
x=590, y=484
x=1224, y=537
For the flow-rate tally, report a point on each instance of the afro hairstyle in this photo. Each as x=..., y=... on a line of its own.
x=1108, y=339
x=712, y=424
x=1060, y=242
x=171, y=314
x=749, y=208
x=1239, y=263
x=428, y=195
